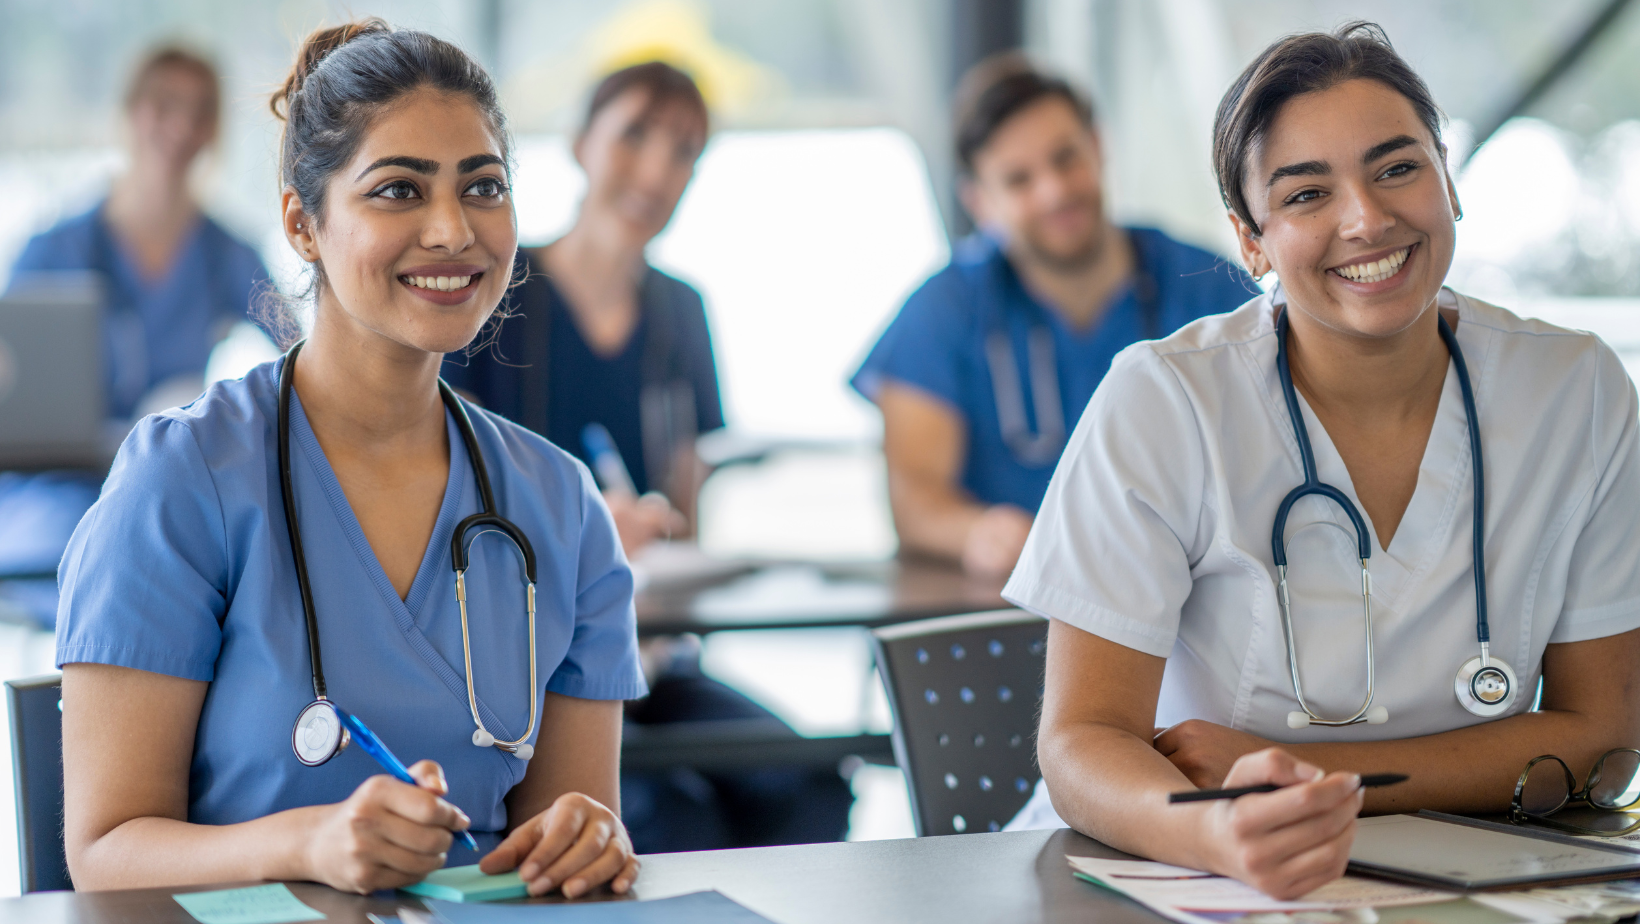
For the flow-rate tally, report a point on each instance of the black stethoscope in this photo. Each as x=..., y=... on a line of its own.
x=320, y=733
x=1044, y=446
x=1484, y=685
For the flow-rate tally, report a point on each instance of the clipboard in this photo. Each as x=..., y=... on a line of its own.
x=1471, y=855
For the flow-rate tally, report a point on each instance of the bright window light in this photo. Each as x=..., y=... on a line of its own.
x=803, y=243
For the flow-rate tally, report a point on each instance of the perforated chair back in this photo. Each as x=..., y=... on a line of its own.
x=964, y=693
x=36, y=712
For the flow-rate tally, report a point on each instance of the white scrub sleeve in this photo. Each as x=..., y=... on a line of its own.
x=1603, y=580
x=1125, y=514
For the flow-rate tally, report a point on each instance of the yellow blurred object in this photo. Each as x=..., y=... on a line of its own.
x=679, y=33
x=675, y=31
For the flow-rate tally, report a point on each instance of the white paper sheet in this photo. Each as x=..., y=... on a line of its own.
x=1185, y=894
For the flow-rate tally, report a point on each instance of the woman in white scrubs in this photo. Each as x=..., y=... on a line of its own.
x=1153, y=555
x=182, y=633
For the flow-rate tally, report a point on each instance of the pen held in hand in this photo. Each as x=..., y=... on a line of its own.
x=1208, y=795
x=372, y=745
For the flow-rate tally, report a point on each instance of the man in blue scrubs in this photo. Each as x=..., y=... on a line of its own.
x=987, y=367
x=176, y=281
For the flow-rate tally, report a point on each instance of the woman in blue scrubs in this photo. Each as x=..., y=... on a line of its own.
x=181, y=632
x=176, y=281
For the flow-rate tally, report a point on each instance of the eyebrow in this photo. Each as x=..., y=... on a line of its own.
x=1322, y=168
x=1385, y=147
x=469, y=164
x=419, y=164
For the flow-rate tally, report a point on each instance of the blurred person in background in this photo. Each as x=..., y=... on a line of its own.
x=594, y=335
x=175, y=283
x=986, y=369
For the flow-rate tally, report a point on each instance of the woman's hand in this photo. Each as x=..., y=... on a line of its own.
x=641, y=520
x=1289, y=842
x=1204, y=752
x=577, y=844
x=386, y=834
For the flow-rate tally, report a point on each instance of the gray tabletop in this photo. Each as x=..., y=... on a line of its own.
x=805, y=595
x=1017, y=878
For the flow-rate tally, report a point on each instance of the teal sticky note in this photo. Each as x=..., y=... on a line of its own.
x=264, y=904
x=467, y=884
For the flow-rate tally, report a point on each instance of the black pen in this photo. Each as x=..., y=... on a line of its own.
x=1208, y=795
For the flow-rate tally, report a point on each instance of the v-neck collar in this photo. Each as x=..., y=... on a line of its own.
x=127, y=267
x=427, y=575
x=1445, y=472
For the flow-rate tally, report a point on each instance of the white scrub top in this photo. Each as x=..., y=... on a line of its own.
x=1156, y=529
x=183, y=567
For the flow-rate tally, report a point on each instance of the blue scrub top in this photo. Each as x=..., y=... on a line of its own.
x=160, y=328
x=183, y=567
x=581, y=386
x=937, y=344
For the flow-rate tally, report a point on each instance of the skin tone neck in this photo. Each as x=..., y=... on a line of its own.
x=149, y=207
x=1037, y=182
x=1353, y=208
x=637, y=164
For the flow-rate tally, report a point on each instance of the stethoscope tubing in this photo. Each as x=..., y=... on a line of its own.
x=1314, y=486
x=488, y=518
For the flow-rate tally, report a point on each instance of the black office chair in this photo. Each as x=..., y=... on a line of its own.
x=964, y=693
x=36, y=708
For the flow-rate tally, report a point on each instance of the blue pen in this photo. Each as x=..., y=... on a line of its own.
x=373, y=746
x=607, y=465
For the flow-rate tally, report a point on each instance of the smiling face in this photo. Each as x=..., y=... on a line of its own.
x=173, y=116
x=418, y=231
x=1037, y=180
x=638, y=163
x=1355, y=209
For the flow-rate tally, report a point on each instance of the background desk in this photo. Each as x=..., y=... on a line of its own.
x=972, y=879
x=793, y=596
x=800, y=595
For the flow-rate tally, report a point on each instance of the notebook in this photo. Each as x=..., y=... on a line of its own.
x=1450, y=851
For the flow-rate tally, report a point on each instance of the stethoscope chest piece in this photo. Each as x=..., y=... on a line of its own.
x=319, y=734
x=1485, y=691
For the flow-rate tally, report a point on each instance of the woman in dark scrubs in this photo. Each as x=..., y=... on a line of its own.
x=595, y=335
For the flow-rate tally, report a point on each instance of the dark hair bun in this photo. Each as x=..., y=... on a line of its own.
x=314, y=49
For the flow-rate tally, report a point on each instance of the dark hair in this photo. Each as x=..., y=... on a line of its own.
x=346, y=75
x=998, y=88
x=343, y=78
x=665, y=85
x=1299, y=64
x=168, y=57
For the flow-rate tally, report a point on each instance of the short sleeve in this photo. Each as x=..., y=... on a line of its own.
x=56, y=250
x=1603, y=582
x=702, y=365
x=1111, y=549
x=602, y=662
x=143, y=583
x=923, y=346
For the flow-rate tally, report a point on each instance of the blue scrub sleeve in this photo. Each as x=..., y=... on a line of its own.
x=55, y=250
x=602, y=661
x=924, y=346
x=142, y=583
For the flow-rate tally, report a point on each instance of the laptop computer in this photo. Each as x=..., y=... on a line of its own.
x=53, y=383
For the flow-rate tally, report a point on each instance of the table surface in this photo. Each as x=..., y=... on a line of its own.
x=806, y=595
x=1018, y=878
